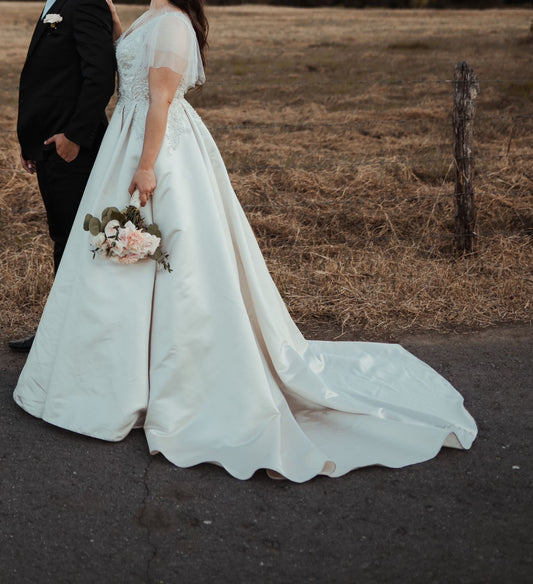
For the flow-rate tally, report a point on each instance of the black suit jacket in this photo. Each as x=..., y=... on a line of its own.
x=68, y=77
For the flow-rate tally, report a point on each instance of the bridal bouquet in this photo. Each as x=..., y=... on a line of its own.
x=123, y=236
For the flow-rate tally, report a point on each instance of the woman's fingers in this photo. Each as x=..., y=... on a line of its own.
x=144, y=194
x=145, y=182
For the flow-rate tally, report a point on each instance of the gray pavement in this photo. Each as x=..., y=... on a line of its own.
x=78, y=510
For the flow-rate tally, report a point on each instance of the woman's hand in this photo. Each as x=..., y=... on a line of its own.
x=143, y=181
x=117, y=27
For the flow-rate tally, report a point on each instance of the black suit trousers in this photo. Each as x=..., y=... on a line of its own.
x=62, y=184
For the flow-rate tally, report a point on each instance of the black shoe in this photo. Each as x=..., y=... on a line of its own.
x=22, y=345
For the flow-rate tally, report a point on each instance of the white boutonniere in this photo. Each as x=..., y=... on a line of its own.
x=53, y=20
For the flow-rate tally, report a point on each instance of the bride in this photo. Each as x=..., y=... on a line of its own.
x=206, y=359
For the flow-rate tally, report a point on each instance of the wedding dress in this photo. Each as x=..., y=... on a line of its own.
x=206, y=359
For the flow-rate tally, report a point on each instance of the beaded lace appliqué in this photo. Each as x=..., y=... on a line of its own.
x=134, y=90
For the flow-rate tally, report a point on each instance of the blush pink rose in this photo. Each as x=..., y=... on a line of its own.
x=130, y=258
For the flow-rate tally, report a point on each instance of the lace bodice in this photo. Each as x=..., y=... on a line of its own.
x=137, y=51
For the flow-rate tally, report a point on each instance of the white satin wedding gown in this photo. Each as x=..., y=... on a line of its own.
x=207, y=359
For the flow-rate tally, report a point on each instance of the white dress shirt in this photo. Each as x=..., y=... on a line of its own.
x=47, y=6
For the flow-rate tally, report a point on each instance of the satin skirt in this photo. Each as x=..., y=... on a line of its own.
x=207, y=358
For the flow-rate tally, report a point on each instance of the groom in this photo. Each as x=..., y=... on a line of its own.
x=65, y=85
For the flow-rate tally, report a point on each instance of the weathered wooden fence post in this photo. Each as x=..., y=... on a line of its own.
x=465, y=93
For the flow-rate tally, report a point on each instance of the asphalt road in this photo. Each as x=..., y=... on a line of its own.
x=78, y=510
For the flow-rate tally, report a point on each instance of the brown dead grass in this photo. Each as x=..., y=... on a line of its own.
x=355, y=216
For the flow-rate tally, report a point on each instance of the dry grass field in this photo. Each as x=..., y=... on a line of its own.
x=336, y=127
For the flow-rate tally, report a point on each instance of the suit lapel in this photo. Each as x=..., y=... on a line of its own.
x=41, y=28
x=37, y=34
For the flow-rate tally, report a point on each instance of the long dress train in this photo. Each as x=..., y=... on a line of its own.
x=207, y=359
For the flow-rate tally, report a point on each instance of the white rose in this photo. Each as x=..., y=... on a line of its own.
x=129, y=227
x=98, y=240
x=119, y=246
x=152, y=244
x=111, y=228
x=52, y=19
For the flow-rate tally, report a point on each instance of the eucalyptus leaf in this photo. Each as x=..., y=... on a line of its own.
x=94, y=226
x=154, y=230
x=117, y=215
x=88, y=217
x=109, y=211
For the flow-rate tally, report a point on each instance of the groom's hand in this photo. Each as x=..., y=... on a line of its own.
x=67, y=149
x=28, y=165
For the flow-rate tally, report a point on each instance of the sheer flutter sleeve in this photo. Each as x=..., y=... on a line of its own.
x=172, y=43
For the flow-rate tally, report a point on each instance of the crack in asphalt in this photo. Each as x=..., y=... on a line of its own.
x=145, y=524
